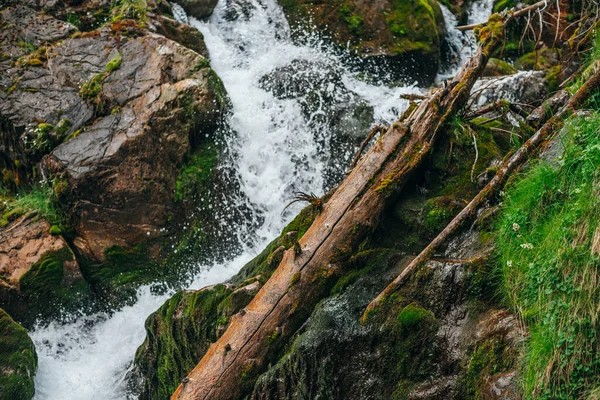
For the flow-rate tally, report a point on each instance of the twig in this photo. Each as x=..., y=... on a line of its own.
x=370, y=136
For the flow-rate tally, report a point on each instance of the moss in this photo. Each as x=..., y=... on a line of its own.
x=196, y=176
x=117, y=278
x=46, y=292
x=113, y=64
x=130, y=9
x=490, y=356
x=18, y=360
x=62, y=127
x=438, y=212
x=265, y=263
x=201, y=64
x=361, y=264
x=91, y=89
x=55, y=230
x=497, y=67
x=11, y=215
x=179, y=334
x=414, y=25
x=552, y=78
x=413, y=315
x=35, y=62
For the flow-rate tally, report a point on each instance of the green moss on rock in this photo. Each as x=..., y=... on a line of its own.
x=18, y=360
x=48, y=291
x=124, y=270
x=179, y=334
x=266, y=262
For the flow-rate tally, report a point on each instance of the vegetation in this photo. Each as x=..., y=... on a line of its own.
x=129, y=9
x=549, y=254
x=18, y=360
x=39, y=200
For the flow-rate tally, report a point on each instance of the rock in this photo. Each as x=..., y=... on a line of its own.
x=183, y=34
x=401, y=39
x=496, y=67
x=36, y=265
x=328, y=105
x=524, y=87
x=200, y=9
x=18, y=360
x=160, y=101
x=180, y=332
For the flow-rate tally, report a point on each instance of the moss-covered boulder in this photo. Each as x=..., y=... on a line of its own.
x=181, y=331
x=399, y=37
x=40, y=277
x=18, y=360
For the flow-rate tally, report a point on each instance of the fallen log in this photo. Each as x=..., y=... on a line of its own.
x=509, y=166
x=231, y=365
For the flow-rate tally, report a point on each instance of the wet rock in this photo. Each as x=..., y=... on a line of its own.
x=327, y=105
x=18, y=360
x=200, y=9
x=183, y=34
x=36, y=265
x=399, y=39
x=23, y=243
x=524, y=87
x=180, y=332
x=158, y=102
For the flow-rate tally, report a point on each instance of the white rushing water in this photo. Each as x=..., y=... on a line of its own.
x=462, y=45
x=275, y=152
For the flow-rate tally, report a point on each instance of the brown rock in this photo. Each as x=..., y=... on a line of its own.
x=23, y=243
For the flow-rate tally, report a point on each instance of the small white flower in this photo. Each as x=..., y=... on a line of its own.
x=509, y=263
x=516, y=227
x=528, y=246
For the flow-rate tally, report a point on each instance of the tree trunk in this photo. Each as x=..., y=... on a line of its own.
x=231, y=365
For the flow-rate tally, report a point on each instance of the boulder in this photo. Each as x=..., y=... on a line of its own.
x=400, y=39
x=134, y=105
x=18, y=360
x=327, y=106
x=39, y=275
x=526, y=87
x=200, y=9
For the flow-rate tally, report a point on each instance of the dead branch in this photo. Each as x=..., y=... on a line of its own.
x=376, y=129
x=508, y=167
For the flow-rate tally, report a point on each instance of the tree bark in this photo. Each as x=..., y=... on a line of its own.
x=529, y=148
x=231, y=364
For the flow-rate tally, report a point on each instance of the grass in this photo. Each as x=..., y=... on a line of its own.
x=40, y=200
x=549, y=256
x=129, y=9
x=591, y=60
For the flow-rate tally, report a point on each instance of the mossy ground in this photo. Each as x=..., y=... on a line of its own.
x=18, y=360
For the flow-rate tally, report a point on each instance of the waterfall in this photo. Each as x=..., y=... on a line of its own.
x=278, y=144
x=462, y=45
